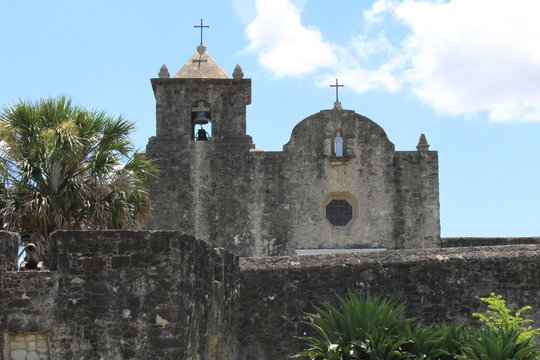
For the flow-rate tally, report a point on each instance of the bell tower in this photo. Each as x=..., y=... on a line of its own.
x=201, y=108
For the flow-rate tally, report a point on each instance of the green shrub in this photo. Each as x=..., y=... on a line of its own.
x=434, y=341
x=372, y=328
x=499, y=316
x=497, y=344
x=365, y=328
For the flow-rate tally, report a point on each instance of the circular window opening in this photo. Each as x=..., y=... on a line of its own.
x=339, y=212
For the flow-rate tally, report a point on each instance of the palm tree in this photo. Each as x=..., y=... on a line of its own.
x=64, y=167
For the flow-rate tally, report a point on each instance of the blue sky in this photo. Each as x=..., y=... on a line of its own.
x=464, y=72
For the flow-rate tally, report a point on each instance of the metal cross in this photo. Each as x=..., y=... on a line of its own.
x=199, y=61
x=201, y=26
x=337, y=86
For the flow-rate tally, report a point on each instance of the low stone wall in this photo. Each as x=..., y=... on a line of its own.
x=124, y=295
x=436, y=284
x=487, y=241
x=9, y=243
x=161, y=294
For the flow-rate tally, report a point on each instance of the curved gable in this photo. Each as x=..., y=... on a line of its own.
x=314, y=134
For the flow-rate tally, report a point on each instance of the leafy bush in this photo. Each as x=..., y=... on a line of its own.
x=366, y=328
x=497, y=344
x=372, y=328
x=434, y=341
x=499, y=316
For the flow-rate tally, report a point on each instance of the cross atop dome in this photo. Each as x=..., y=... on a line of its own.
x=202, y=27
x=201, y=64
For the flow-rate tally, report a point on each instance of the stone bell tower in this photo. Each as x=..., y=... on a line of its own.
x=201, y=109
x=339, y=183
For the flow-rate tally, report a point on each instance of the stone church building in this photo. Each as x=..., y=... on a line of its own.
x=338, y=183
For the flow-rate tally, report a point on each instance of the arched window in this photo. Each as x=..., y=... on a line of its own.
x=338, y=145
x=201, y=117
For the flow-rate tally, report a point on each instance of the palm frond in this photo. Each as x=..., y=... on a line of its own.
x=64, y=167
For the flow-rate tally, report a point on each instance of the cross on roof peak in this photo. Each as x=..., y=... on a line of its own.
x=337, y=86
x=202, y=27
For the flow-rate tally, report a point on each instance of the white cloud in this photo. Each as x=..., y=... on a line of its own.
x=462, y=57
x=469, y=56
x=380, y=66
x=284, y=45
x=245, y=9
x=363, y=73
x=375, y=14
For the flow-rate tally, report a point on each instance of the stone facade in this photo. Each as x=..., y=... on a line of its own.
x=8, y=245
x=122, y=295
x=258, y=203
x=443, y=285
x=160, y=294
x=226, y=100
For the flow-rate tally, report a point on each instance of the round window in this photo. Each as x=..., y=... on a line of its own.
x=339, y=212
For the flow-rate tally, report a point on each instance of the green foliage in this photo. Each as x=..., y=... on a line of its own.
x=64, y=167
x=372, y=328
x=497, y=344
x=432, y=342
x=453, y=339
x=366, y=328
x=499, y=316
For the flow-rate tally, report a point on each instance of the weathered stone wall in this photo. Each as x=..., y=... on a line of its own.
x=363, y=177
x=271, y=203
x=9, y=243
x=229, y=197
x=160, y=294
x=416, y=202
x=487, y=241
x=436, y=284
x=127, y=295
x=29, y=346
x=175, y=99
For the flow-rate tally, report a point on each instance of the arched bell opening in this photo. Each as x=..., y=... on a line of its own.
x=201, y=121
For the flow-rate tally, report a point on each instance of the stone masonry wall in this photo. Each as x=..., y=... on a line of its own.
x=29, y=346
x=160, y=294
x=272, y=203
x=9, y=243
x=125, y=295
x=487, y=241
x=175, y=98
x=436, y=284
x=416, y=202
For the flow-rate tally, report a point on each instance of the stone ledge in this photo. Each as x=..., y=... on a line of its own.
x=392, y=257
x=487, y=241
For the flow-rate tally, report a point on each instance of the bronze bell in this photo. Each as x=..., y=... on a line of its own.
x=202, y=135
x=200, y=119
